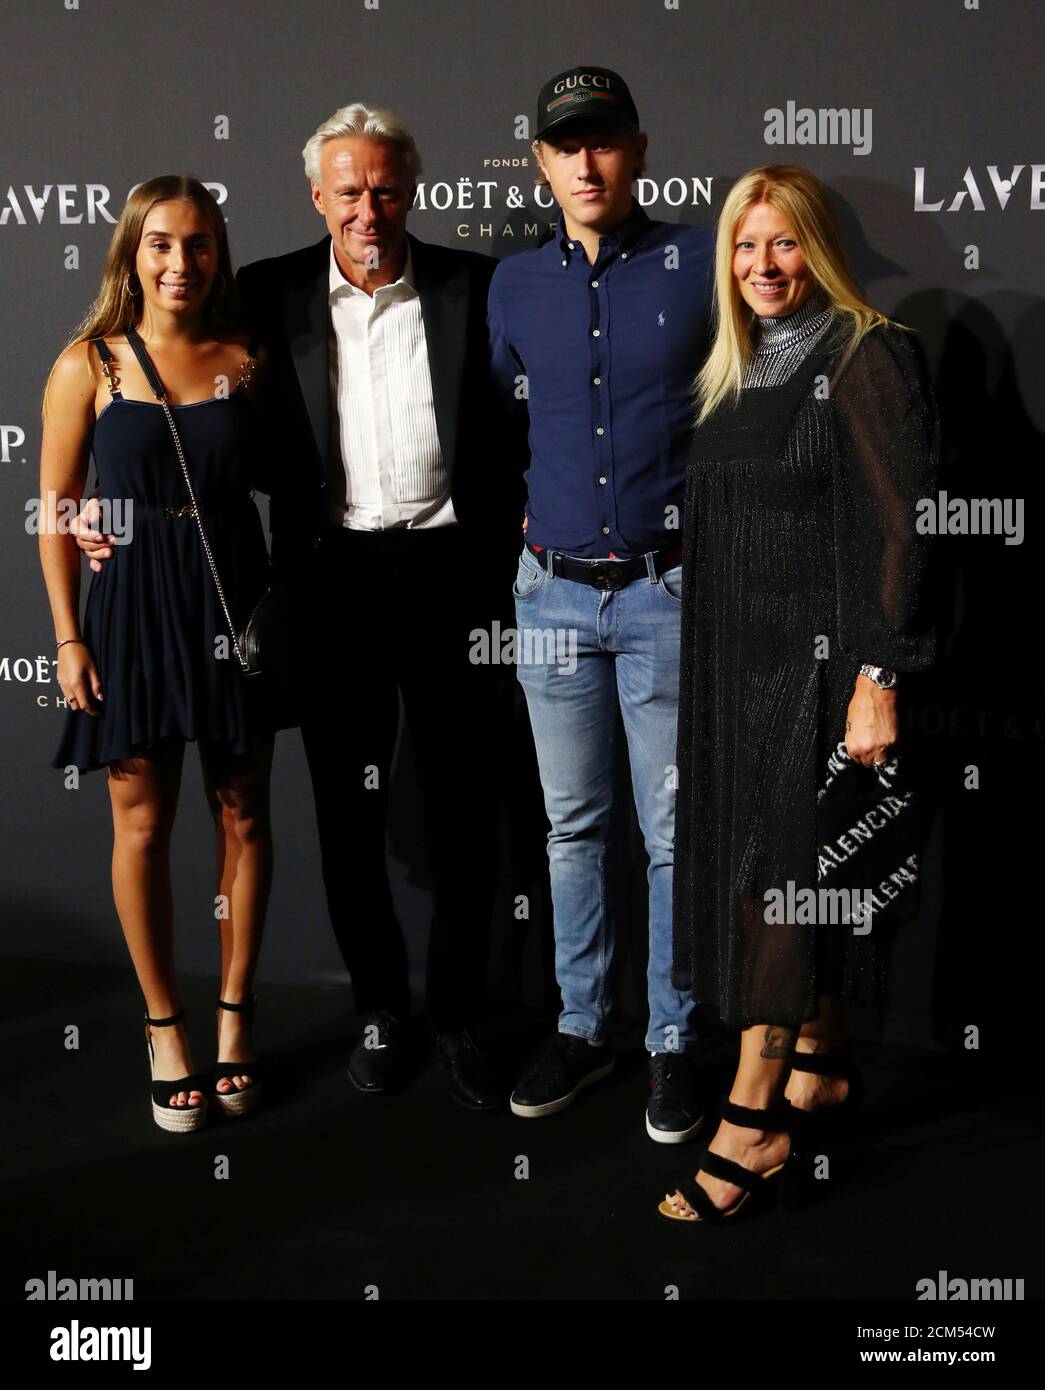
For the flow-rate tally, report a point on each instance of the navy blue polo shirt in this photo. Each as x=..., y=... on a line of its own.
x=608, y=353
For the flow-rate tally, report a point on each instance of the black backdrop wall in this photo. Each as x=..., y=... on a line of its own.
x=938, y=164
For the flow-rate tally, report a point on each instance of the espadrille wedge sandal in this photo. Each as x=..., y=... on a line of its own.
x=238, y=1102
x=176, y=1119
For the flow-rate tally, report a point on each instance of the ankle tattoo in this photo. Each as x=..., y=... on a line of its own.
x=777, y=1043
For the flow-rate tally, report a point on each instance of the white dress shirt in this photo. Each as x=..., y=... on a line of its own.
x=383, y=412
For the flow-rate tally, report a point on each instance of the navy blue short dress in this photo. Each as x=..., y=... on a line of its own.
x=153, y=618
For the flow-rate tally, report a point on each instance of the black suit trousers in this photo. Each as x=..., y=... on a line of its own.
x=394, y=613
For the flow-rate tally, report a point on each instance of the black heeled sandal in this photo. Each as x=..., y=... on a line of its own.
x=758, y=1189
x=238, y=1102
x=819, y=1131
x=176, y=1119
x=829, y=1121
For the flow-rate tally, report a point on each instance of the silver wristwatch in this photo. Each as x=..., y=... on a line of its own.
x=883, y=678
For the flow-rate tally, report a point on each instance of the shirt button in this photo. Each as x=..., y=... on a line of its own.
x=597, y=380
x=565, y=262
x=595, y=284
x=600, y=430
x=595, y=333
x=570, y=245
x=624, y=255
x=605, y=530
x=602, y=480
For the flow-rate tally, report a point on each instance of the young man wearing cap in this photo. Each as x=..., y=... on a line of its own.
x=602, y=331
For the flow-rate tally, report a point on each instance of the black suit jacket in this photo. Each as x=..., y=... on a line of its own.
x=285, y=305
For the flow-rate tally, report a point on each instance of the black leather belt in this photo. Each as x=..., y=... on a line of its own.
x=606, y=574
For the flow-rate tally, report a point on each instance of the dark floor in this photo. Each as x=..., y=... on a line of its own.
x=330, y=1191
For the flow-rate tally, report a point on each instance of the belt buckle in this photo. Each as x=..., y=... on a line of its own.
x=610, y=575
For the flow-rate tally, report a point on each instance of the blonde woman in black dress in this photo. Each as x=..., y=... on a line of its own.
x=151, y=667
x=802, y=611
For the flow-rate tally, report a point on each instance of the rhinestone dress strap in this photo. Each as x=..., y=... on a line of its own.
x=247, y=370
x=108, y=368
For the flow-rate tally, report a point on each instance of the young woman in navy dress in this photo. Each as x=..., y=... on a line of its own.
x=148, y=669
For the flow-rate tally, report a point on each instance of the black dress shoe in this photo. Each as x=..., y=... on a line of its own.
x=673, y=1111
x=564, y=1067
x=377, y=1060
x=472, y=1080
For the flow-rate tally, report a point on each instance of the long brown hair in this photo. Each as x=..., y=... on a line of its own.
x=118, y=306
x=803, y=200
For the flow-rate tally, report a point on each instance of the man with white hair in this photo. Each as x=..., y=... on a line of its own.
x=395, y=507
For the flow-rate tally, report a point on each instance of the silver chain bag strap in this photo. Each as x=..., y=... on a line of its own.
x=240, y=643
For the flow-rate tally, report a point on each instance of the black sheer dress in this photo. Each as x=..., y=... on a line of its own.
x=801, y=563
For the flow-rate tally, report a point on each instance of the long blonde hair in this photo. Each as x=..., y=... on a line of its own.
x=117, y=306
x=802, y=199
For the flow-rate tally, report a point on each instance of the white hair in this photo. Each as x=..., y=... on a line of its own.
x=370, y=121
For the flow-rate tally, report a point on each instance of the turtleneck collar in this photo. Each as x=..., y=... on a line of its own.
x=776, y=332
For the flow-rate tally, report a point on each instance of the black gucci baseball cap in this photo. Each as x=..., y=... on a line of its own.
x=596, y=96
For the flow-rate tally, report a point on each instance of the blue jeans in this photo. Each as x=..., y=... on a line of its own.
x=583, y=654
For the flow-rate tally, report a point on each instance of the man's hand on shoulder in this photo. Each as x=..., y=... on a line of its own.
x=94, y=544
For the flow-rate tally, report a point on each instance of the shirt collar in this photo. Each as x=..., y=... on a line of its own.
x=622, y=238
x=337, y=283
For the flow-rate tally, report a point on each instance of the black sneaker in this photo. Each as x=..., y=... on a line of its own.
x=673, y=1112
x=565, y=1066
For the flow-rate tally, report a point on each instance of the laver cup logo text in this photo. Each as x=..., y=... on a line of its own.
x=69, y=203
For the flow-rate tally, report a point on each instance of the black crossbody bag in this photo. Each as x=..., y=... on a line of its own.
x=261, y=644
